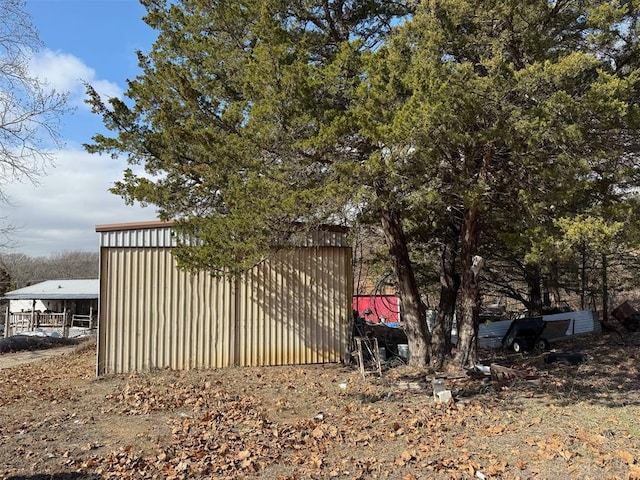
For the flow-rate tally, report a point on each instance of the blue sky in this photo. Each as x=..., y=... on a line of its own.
x=84, y=40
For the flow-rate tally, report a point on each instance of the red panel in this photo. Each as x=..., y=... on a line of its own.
x=376, y=308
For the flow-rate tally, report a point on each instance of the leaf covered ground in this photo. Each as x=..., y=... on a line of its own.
x=552, y=421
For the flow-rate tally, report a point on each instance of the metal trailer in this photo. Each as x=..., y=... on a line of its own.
x=525, y=334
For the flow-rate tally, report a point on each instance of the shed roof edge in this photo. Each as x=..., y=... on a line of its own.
x=117, y=227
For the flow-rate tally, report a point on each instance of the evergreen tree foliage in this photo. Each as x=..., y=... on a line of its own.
x=241, y=120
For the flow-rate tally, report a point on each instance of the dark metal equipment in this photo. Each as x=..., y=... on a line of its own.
x=526, y=334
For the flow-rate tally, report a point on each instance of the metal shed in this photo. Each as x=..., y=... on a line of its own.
x=293, y=308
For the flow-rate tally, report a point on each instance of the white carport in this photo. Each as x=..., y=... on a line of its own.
x=52, y=305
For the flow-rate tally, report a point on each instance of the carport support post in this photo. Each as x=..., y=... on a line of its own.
x=32, y=321
x=65, y=320
x=7, y=322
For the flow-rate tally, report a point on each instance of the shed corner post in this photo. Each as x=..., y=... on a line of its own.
x=103, y=272
x=237, y=303
x=348, y=337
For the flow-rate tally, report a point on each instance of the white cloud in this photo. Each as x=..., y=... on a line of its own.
x=106, y=89
x=60, y=214
x=67, y=73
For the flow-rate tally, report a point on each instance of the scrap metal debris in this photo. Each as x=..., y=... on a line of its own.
x=565, y=358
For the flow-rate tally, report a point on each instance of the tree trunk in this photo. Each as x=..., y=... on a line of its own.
x=583, y=277
x=449, y=285
x=605, y=289
x=532, y=274
x=554, y=284
x=413, y=310
x=466, y=353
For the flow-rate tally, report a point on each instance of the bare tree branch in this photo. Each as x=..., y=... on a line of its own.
x=29, y=109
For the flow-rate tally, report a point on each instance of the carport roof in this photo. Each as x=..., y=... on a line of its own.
x=57, y=290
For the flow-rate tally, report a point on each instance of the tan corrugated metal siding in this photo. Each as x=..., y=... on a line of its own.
x=153, y=315
x=292, y=309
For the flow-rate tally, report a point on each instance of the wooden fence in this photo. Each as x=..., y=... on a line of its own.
x=21, y=322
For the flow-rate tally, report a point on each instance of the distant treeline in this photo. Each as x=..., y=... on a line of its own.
x=18, y=270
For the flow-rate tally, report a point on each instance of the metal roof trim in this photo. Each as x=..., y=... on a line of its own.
x=117, y=227
x=44, y=296
x=144, y=225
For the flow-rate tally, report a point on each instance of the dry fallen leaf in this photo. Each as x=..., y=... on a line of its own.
x=243, y=455
x=496, y=468
x=565, y=454
x=406, y=456
x=627, y=457
x=497, y=429
x=634, y=473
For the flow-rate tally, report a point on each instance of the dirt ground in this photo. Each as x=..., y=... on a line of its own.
x=545, y=421
x=30, y=356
